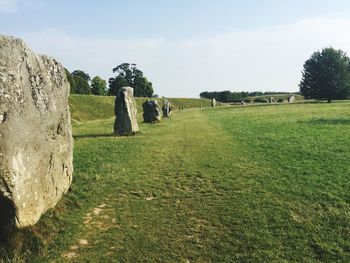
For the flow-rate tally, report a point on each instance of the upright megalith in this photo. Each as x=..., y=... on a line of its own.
x=125, y=112
x=213, y=103
x=271, y=100
x=291, y=99
x=35, y=134
x=151, y=111
x=167, y=108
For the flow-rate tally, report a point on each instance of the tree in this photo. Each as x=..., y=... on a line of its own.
x=115, y=84
x=129, y=75
x=71, y=82
x=81, y=85
x=81, y=74
x=81, y=82
x=98, y=86
x=326, y=75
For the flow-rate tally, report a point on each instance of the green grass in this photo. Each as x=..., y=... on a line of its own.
x=89, y=107
x=244, y=184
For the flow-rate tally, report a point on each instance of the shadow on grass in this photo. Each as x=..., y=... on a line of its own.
x=323, y=121
x=97, y=135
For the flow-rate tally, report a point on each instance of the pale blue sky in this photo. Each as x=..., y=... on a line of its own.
x=184, y=47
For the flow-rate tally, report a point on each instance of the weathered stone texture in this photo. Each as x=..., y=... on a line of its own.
x=35, y=133
x=126, y=113
x=291, y=99
x=166, y=109
x=151, y=111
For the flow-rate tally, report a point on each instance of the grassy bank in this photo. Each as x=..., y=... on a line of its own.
x=88, y=107
x=244, y=184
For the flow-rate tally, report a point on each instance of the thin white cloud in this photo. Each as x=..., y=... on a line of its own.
x=268, y=58
x=9, y=6
x=15, y=6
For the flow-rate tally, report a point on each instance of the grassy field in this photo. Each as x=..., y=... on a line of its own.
x=244, y=184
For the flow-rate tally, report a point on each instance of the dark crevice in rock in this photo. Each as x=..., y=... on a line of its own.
x=7, y=218
x=4, y=117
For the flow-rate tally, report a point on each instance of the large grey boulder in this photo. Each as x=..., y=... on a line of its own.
x=125, y=112
x=166, y=109
x=35, y=134
x=151, y=111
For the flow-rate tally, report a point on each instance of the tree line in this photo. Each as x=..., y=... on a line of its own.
x=325, y=76
x=126, y=75
x=228, y=96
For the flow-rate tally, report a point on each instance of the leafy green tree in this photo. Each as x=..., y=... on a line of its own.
x=98, y=86
x=81, y=85
x=71, y=81
x=81, y=74
x=81, y=82
x=326, y=75
x=129, y=75
x=115, y=84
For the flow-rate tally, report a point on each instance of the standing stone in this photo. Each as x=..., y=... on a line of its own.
x=151, y=111
x=271, y=100
x=36, y=142
x=291, y=99
x=213, y=103
x=166, y=109
x=125, y=112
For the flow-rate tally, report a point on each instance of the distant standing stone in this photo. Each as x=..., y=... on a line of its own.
x=125, y=112
x=36, y=144
x=291, y=99
x=213, y=102
x=151, y=111
x=166, y=109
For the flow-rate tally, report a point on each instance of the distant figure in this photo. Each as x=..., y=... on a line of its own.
x=271, y=100
x=213, y=102
x=242, y=102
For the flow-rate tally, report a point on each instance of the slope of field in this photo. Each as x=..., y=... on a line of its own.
x=89, y=107
x=244, y=184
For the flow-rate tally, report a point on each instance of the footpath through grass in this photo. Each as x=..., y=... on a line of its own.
x=249, y=184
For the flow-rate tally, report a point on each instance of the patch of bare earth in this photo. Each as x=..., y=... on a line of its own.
x=99, y=219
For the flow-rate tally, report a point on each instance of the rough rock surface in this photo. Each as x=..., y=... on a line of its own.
x=125, y=112
x=151, y=111
x=166, y=109
x=35, y=134
x=213, y=102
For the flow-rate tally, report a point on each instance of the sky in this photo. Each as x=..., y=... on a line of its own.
x=184, y=47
